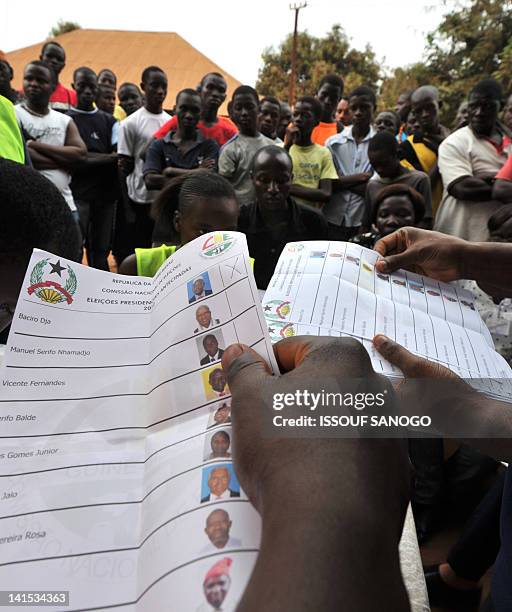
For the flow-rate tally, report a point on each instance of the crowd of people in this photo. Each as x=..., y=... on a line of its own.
x=140, y=180
x=332, y=167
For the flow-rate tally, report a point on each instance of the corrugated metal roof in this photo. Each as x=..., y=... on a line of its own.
x=127, y=54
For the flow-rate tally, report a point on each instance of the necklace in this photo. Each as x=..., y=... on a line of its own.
x=32, y=112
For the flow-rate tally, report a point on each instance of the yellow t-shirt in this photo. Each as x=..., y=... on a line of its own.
x=119, y=113
x=311, y=164
x=427, y=159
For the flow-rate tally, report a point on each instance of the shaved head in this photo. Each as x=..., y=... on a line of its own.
x=271, y=153
x=423, y=92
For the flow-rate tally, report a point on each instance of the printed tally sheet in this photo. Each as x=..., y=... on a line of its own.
x=116, y=480
x=334, y=289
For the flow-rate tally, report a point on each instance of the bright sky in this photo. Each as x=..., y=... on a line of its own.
x=233, y=33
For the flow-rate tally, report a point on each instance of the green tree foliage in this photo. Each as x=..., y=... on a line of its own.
x=62, y=27
x=473, y=41
x=400, y=80
x=316, y=57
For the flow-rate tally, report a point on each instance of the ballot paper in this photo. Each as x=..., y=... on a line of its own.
x=326, y=288
x=116, y=479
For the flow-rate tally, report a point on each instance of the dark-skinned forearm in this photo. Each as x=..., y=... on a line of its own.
x=171, y=172
x=154, y=181
x=100, y=159
x=309, y=194
x=502, y=191
x=472, y=189
x=359, y=190
x=348, y=553
x=348, y=182
x=488, y=420
x=489, y=263
x=40, y=161
x=66, y=155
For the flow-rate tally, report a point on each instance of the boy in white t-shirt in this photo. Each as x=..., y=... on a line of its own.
x=53, y=140
x=135, y=133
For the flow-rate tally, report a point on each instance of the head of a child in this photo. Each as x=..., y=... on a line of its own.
x=106, y=99
x=269, y=116
x=195, y=204
x=306, y=115
x=188, y=112
x=330, y=90
x=85, y=84
x=130, y=98
x=397, y=206
x=244, y=110
x=362, y=103
x=384, y=156
x=388, y=121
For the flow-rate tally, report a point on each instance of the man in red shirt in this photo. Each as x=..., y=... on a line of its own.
x=62, y=98
x=212, y=90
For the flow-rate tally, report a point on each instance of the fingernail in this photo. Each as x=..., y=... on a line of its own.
x=234, y=351
x=382, y=342
x=382, y=265
x=231, y=353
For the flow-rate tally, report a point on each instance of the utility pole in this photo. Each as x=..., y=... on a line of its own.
x=293, y=76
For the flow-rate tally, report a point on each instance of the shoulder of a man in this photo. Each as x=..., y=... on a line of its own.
x=375, y=183
x=19, y=110
x=337, y=139
x=128, y=125
x=57, y=117
x=417, y=176
x=134, y=119
x=265, y=140
x=231, y=145
x=457, y=146
x=155, y=151
x=323, y=151
x=460, y=139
